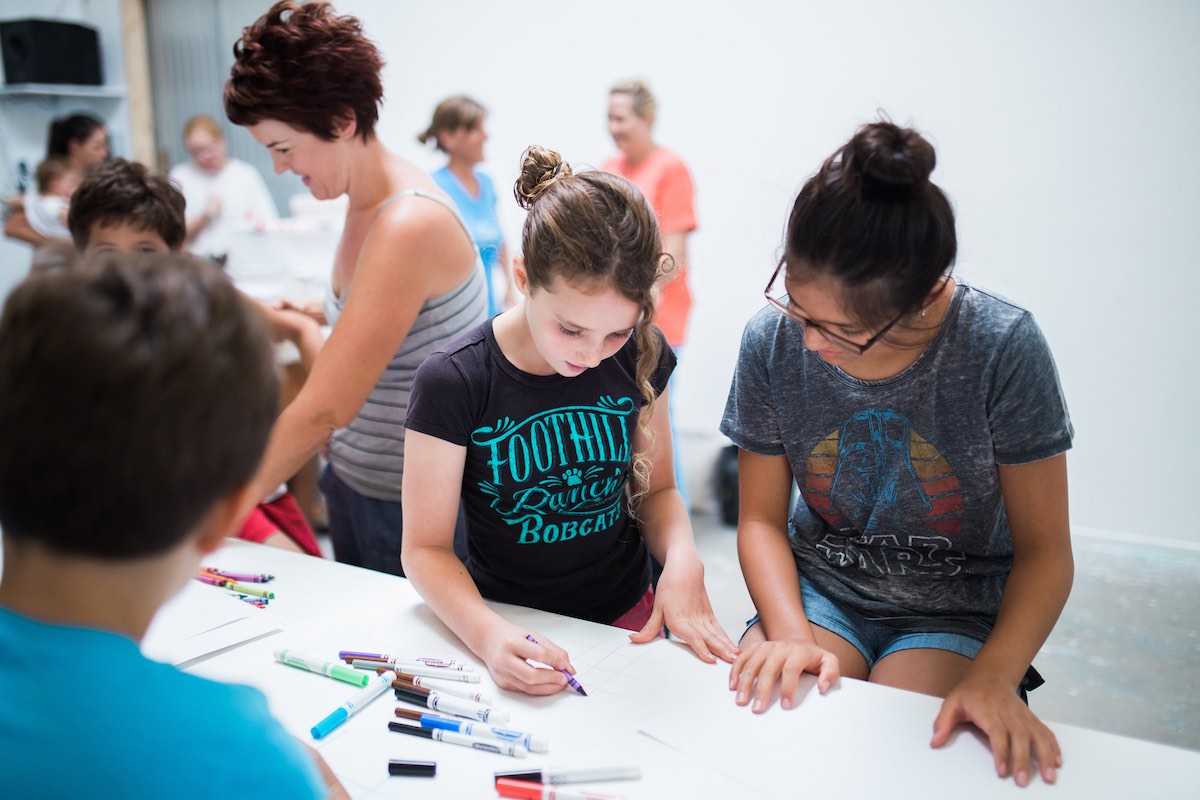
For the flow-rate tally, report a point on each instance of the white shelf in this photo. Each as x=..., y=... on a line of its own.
x=61, y=90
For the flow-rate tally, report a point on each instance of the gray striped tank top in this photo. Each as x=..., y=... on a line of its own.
x=368, y=454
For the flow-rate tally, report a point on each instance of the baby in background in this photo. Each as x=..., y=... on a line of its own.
x=46, y=208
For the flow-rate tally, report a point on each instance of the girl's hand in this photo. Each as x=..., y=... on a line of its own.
x=505, y=652
x=681, y=603
x=1016, y=735
x=763, y=664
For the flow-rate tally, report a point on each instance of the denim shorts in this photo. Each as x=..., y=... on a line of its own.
x=874, y=639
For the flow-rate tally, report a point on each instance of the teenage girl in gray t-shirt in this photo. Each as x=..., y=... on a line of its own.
x=923, y=423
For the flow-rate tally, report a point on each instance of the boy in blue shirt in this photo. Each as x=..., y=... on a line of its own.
x=136, y=396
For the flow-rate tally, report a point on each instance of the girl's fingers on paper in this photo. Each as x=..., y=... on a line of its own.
x=1049, y=755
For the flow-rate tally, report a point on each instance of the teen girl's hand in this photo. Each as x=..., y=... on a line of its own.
x=1017, y=737
x=505, y=651
x=681, y=603
x=766, y=663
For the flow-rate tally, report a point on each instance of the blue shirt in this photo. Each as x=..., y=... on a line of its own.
x=84, y=714
x=480, y=215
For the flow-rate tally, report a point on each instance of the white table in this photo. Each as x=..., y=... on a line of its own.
x=654, y=705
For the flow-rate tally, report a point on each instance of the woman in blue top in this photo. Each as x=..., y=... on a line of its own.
x=457, y=130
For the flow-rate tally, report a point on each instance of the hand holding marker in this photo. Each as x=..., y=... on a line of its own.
x=574, y=684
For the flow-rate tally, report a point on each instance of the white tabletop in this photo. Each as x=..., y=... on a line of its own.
x=655, y=705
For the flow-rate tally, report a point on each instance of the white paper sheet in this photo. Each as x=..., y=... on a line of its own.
x=201, y=620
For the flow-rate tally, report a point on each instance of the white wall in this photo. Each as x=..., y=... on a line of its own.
x=1066, y=135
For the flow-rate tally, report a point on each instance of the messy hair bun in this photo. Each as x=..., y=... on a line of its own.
x=872, y=219
x=884, y=161
x=540, y=168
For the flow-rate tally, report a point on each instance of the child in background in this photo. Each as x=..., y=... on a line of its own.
x=923, y=422
x=550, y=421
x=139, y=392
x=125, y=207
x=47, y=208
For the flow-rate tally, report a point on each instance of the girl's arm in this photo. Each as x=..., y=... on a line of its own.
x=681, y=601
x=1035, y=498
x=406, y=256
x=433, y=470
x=764, y=496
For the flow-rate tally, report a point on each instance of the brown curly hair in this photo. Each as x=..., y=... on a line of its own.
x=596, y=226
x=305, y=66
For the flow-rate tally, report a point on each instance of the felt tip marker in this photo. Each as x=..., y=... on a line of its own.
x=452, y=705
x=350, y=655
x=331, y=669
x=504, y=749
x=557, y=775
x=378, y=685
x=528, y=790
x=534, y=744
x=425, y=686
x=419, y=668
x=242, y=577
x=574, y=684
x=254, y=590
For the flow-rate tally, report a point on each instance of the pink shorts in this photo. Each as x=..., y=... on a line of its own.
x=636, y=618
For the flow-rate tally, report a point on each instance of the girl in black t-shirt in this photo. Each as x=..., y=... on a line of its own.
x=542, y=424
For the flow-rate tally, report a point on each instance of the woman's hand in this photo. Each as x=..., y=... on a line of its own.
x=681, y=603
x=505, y=652
x=764, y=664
x=1017, y=737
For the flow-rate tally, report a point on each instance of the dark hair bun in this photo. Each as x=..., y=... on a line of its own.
x=886, y=162
x=540, y=168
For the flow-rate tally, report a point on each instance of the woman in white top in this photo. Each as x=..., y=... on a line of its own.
x=223, y=195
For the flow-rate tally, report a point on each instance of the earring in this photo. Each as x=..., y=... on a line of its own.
x=922, y=313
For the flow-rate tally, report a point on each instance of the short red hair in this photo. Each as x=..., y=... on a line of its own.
x=307, y=67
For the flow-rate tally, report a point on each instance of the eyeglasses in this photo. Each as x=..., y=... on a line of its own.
x=787, y=307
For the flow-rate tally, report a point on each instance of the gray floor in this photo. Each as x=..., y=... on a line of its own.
x=1124, y=657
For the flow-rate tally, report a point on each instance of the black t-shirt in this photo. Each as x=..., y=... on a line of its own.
x=548, y=458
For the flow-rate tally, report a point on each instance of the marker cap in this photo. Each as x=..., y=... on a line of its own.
x=322, y=728
x=420, y=769
x=521, y=790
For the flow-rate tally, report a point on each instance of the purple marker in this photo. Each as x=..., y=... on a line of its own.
x=237, y=576
x=574, y=684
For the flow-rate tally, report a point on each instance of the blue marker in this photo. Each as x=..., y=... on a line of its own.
x=378, y=685
x=534, y=744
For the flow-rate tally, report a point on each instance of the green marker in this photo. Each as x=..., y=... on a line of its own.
x=254, y=590
x=330, y=669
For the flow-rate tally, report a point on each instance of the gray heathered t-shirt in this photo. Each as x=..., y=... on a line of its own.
x=900, y=516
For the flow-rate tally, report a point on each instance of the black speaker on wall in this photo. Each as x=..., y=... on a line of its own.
x=48, y=51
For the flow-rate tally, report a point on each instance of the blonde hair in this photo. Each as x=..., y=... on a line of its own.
x=206, y=123
x=644, y=104
x=452, y=114
x=590, y=227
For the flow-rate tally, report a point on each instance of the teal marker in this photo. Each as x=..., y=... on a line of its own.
x=331, y=669
x=379, y=684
